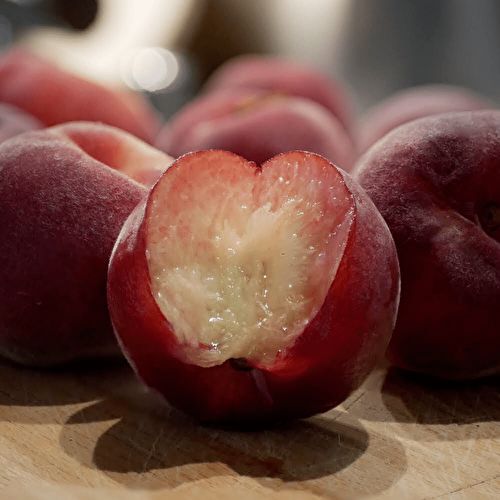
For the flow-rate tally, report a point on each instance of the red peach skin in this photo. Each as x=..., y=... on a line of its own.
x=63, y=200
x=256, y=124
x=287, y=76
x=54, y=96
x=334, y=352
x=436, y=181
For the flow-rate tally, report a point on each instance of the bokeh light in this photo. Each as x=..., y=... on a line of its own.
x=152, y=69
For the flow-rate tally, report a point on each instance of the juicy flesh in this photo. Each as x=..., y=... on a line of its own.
x=241, y=258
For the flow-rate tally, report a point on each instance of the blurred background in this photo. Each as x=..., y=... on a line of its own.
x=167, y=48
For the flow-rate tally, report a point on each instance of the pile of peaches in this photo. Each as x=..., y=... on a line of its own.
x=255, y=256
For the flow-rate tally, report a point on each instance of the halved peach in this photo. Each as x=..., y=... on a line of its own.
x=246, y=293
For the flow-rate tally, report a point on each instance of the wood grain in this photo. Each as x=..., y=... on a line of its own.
x=84, y=433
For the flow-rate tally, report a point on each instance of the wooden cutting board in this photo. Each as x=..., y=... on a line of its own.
x=397, y=437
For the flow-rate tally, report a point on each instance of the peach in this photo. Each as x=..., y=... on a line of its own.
x=436, y=182
x=54, y=96
x=412, y=103
x=249, y=294
x=65, y=192
x=286, y=76
x=256, y=124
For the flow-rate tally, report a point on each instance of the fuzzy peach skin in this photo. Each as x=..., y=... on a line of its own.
x=288, y=76
x=246, y=295
x=65, y=192
x=412, y=103
x=256, y=124
x=436, y=181
x=54, y=95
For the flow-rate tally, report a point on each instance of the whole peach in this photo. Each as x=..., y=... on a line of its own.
x=256, y=124
x=436, y=181
x=54, y=96
x=65, y=192
x=286, y=76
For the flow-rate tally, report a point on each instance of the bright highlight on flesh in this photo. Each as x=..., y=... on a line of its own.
x=242, y=259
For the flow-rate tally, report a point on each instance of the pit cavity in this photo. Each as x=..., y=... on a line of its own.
x=241, y=258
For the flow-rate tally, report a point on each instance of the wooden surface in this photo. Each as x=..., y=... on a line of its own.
x=396, y=437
